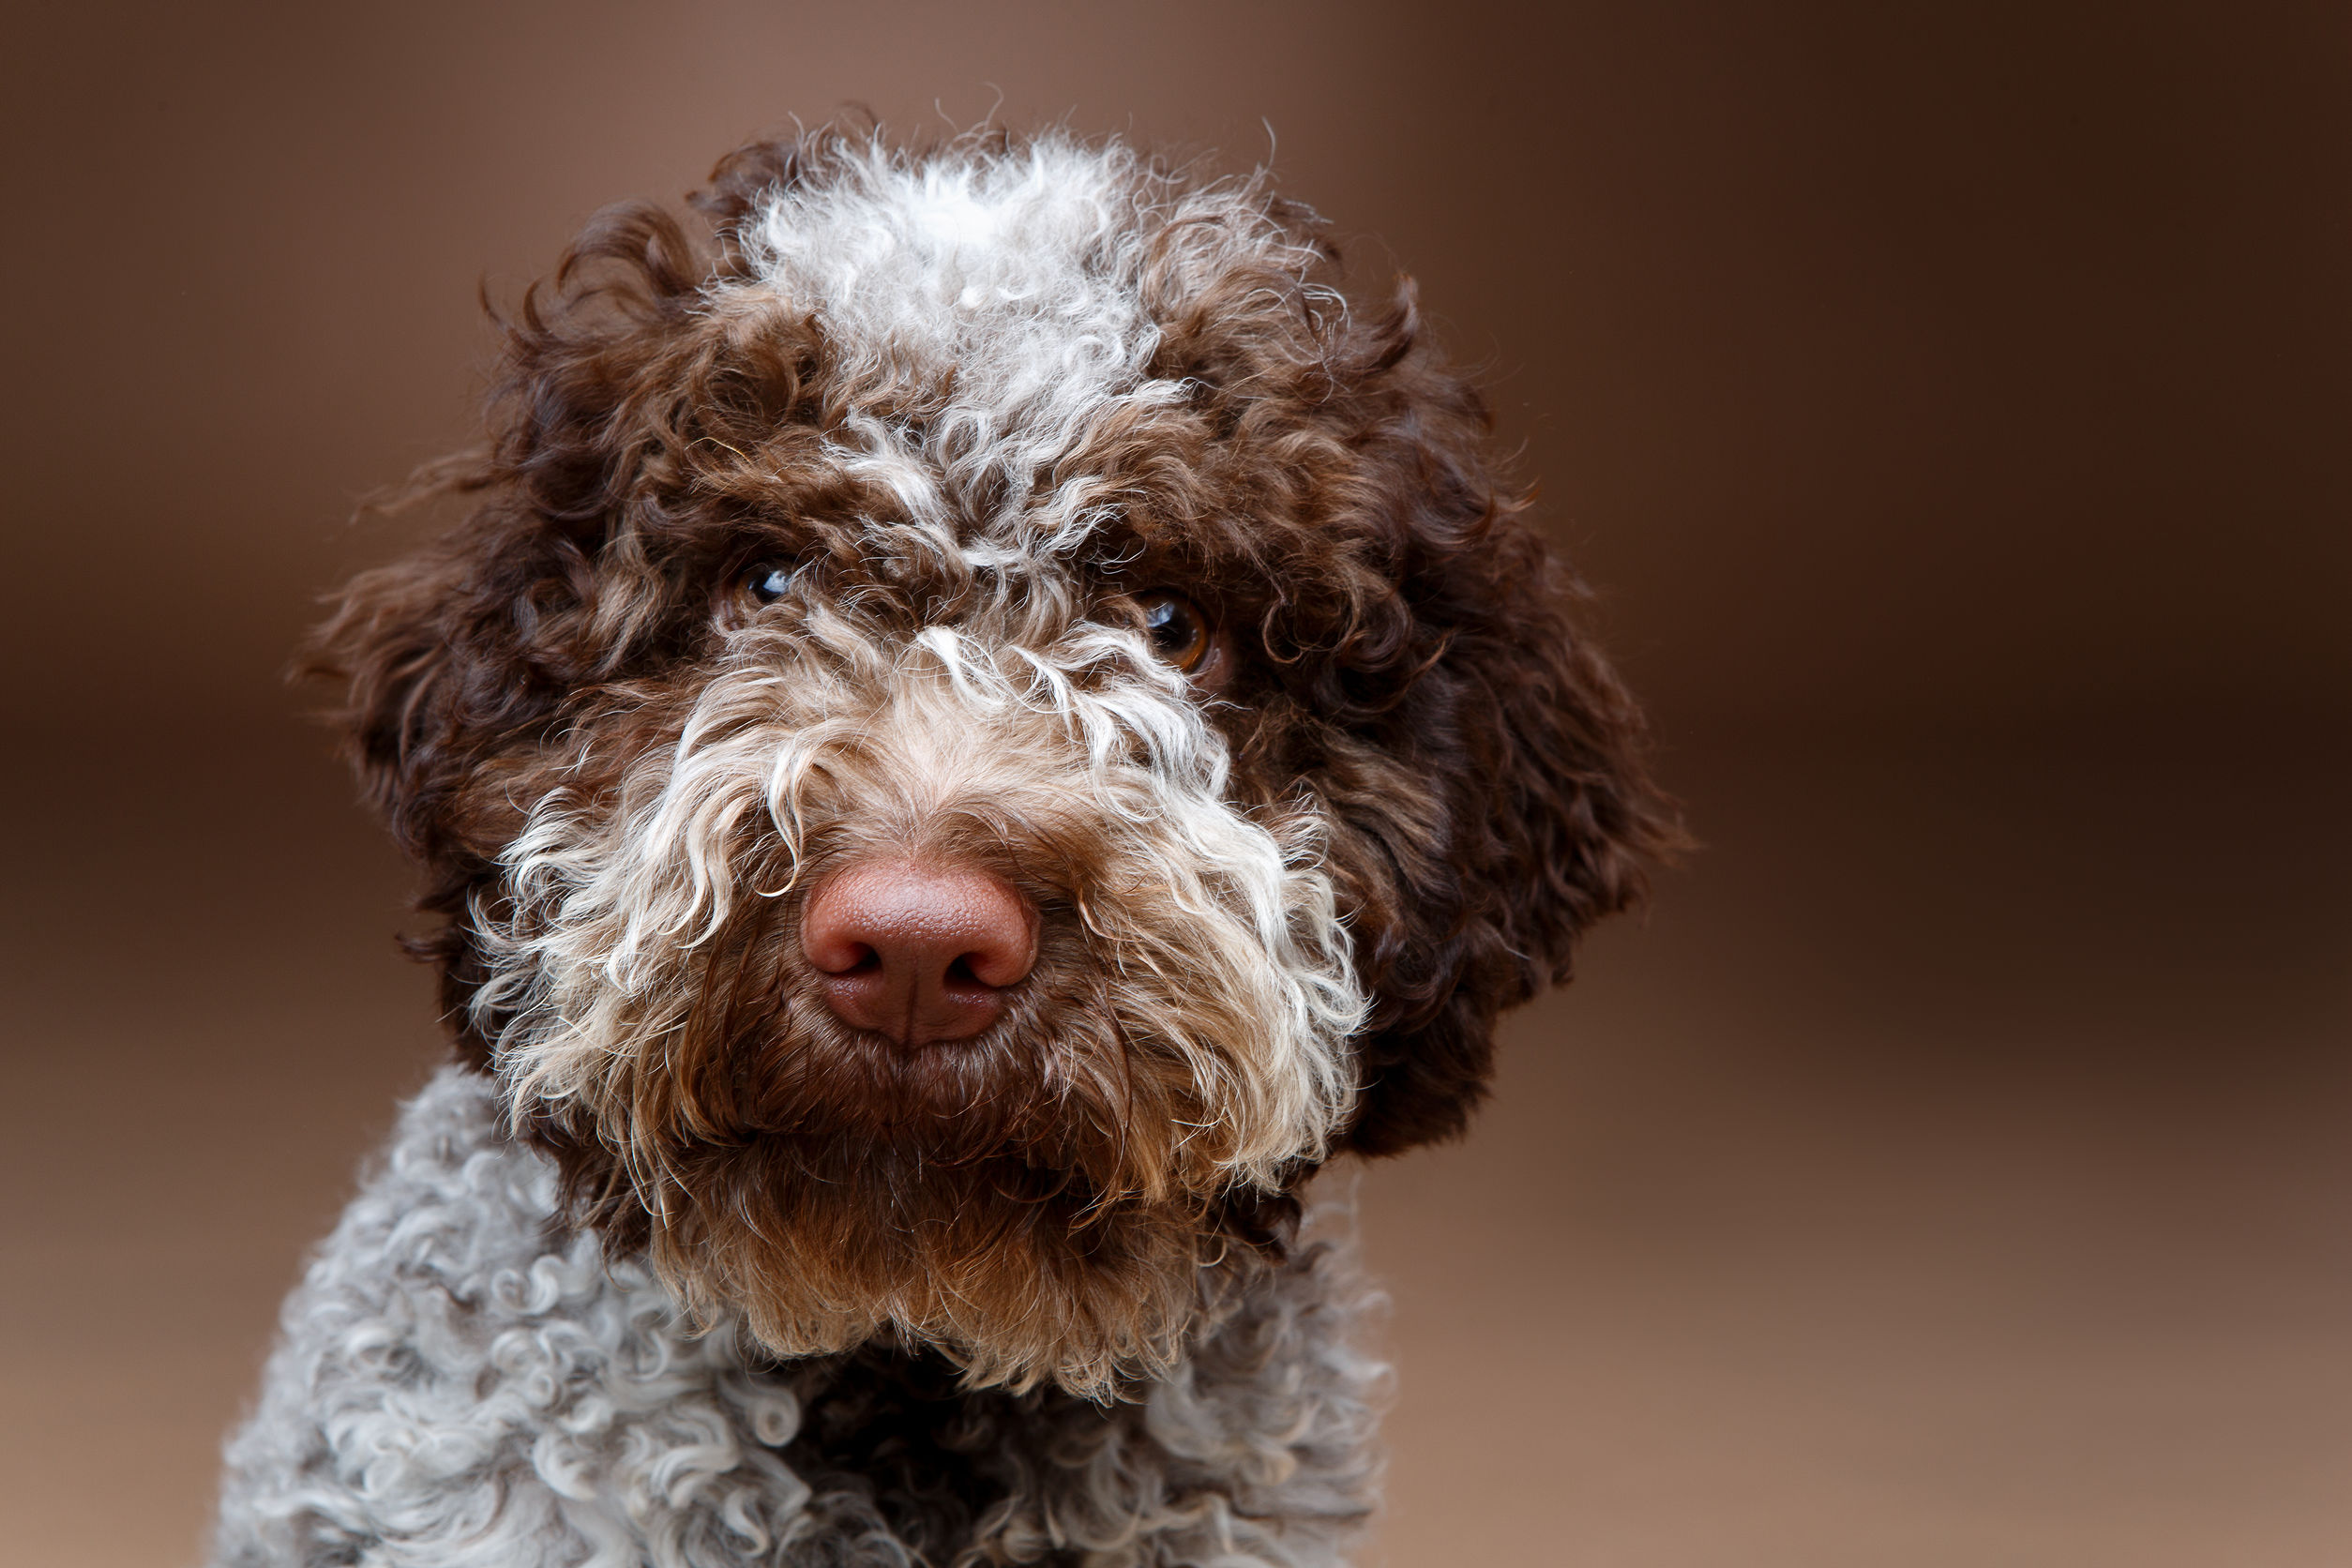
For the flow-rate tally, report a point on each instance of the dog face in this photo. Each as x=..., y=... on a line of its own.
x=981, y=727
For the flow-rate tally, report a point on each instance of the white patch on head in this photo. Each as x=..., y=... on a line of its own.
x=987, y=311
x=1022, y=275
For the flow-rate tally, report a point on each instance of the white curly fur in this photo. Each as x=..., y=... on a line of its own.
x=1014, y=300
x=463, y=1383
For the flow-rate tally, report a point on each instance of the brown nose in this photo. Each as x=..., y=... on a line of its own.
x=918, y=952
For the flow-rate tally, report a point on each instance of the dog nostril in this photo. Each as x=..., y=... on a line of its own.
x=918, y=952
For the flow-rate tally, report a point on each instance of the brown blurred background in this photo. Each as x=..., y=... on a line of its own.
x=1950, y=404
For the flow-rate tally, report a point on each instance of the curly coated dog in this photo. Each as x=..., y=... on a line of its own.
x=981, y=726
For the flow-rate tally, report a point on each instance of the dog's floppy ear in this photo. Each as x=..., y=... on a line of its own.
x=388, y=645
x=466, y=646
x=454, y=662
x=1540, y=811
x=444, y=660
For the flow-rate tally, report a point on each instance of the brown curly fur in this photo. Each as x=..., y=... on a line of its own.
x=1404, y=654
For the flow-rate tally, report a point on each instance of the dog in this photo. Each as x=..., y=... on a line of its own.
x=981, y=724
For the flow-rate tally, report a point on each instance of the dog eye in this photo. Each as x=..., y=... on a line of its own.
x=1179, y=632
x=768, y=582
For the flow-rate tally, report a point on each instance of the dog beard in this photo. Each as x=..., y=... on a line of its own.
x=1059, y=1199
x=1013, y=1270
x=1038, y=1203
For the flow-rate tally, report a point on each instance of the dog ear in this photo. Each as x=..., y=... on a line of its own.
x=453, y=663
x=445, y=660
x=389, y=646
x=448, y=662
x=1530, y=754
x=465, y=647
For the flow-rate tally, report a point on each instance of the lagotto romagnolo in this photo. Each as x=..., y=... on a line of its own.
x=980, y=723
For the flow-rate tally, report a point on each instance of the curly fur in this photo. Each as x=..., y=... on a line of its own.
x=1183, y=1033
x=817, y=533
x=463, y=1382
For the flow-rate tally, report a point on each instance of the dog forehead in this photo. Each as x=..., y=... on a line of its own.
x=993, y=314
x=1014, y=276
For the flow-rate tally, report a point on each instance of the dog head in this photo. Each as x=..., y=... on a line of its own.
x=982, y=725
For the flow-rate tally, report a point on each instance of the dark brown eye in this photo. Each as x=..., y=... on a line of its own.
x=1179, y=632
x=768, y=582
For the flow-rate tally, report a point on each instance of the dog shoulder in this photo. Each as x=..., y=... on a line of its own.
x=462, y=1373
